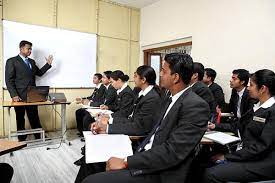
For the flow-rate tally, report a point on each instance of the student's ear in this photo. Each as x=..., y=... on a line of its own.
x=242, y=82
x=176, y=78
x=263, y=89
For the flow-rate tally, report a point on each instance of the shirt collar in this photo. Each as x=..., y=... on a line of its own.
x=122, y=88
x=99, y=85
x=107, y=86
x=265, y=105
x=240, y=93
x=23, y=58
x=147, y=90
x=176, y=96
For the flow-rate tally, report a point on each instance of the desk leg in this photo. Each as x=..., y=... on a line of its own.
x=9, y=121
x=63, y=123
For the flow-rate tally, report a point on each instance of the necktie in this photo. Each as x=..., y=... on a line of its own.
x=28, y=63
x=147, y=139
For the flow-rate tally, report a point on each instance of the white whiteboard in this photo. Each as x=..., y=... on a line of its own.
x=74, y=53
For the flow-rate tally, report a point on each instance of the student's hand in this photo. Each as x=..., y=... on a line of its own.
x=217, y=157
x=85, y=101
x=49, y=59
x=104, y=107
x=211, y=126
x=98, y=128
x=16, y=99
x=104, y=119
x=115, y=164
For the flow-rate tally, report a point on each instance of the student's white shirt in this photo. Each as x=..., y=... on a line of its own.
x=174, y=99
x=265, y=105
x=240, y=93
x=122, y=88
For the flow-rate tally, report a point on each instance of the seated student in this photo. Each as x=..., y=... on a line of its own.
x=110, y=95
x=146, y=107
x=6, y=172
x=165, y=155
x=240, y=101
x=208, y=79
x=140, y=122
x=201, y=89
x=96, y=97
x=123, y=105
x=255, y=160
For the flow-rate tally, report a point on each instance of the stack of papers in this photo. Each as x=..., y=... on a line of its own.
x=220, y=137
x=95, y=111
x=100, y=148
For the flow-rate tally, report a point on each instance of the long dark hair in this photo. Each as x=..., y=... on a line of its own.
x=147, y=72
x=265, y=77
x=118, y=74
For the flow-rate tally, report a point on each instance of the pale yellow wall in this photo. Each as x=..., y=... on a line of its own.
x=118, y=42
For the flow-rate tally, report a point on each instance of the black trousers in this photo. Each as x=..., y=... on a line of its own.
x=88, y=169
x=235, y=172
x=121, y=176
x=32, y=113
x=83, y=120
x=6, y=172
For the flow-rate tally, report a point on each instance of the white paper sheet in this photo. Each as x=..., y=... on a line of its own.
x=221, y=137
x=100, y=148
x=94, y=112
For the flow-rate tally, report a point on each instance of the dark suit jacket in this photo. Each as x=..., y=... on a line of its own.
x=205, y=93
x=246, y=104
x=18, y=75
x=258, y=139
x=110, y=95
x=218, y=94
x=123, y=105
x=174, y=142
x=143, y=118
x=97, y=96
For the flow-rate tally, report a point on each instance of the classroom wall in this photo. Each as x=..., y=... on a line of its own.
x=226, y=34
x=118, y=42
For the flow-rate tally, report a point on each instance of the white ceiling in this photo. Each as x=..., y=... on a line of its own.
x=135, y=3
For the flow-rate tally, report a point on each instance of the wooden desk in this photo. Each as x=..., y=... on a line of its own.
x=10, y=104
x=7, y=146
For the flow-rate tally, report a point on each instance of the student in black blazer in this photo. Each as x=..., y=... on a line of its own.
x=240, y=101
x=110, y=96
x=202, y=90
x=255, y=160
x=95, y=99
x=139, y=122
x=103, y=93
x=165, y=155
x=208, y=79
x=146, y=107
x=123, y=105
x=20, y=73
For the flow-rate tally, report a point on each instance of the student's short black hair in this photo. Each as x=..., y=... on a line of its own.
x=118, y=74
x=23, y=43
x=108, y=74
x=199, y=68
x=182, y=64
x=243, y=75
x=210, y=73
x=265, y=77
x=98, y=75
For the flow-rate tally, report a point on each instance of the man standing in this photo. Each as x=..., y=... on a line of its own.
x=19, y=75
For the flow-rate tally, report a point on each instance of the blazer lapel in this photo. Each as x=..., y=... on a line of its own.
x=21, y=61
